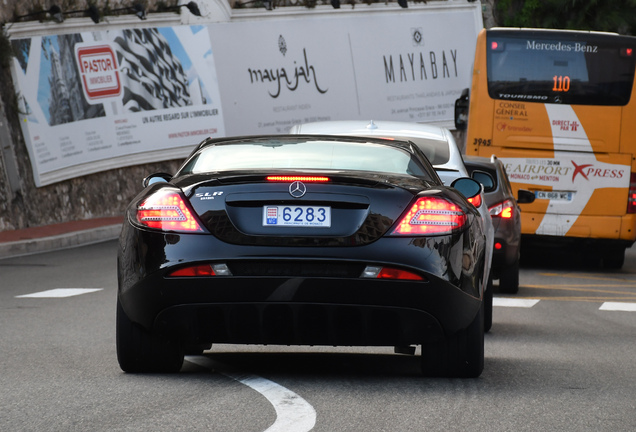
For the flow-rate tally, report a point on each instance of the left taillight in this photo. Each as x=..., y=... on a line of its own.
x=503, y=210
x=167, y=211
x=431, y=215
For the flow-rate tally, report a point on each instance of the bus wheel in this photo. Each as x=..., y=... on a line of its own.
x=614, y=258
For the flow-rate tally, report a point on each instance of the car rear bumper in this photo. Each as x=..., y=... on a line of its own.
x=298, y=308
x=297, y=311
x=507, y=244
x=504, y=254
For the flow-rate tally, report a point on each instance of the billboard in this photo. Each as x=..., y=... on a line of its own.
x=99, y=100
x=344, y=68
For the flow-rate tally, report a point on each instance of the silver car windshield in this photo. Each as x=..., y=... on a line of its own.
x=310, y=155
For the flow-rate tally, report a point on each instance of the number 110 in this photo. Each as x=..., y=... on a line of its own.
x=561, y=83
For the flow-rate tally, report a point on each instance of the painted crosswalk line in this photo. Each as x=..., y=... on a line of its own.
x=60, y=293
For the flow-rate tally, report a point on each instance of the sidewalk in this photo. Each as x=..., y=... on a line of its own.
x=58, y=236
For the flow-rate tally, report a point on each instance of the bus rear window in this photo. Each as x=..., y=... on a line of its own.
x=561, y=67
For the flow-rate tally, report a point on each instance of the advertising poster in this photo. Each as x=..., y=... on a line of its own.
x=403, y=66
x=291, y=73
x=99, y=100
x=416, y=71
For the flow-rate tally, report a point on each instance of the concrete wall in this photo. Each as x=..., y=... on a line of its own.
x=10, y=9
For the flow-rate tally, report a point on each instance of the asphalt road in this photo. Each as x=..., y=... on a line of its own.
x=559, y=357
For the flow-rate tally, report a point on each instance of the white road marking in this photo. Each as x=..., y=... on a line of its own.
x=513, y=302
x=293, y=413
x=616, y=306
x=60, y=292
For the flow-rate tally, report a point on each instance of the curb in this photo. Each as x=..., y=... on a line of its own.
x=63, y=241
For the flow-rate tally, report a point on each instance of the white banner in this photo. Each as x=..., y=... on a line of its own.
x=408, y=66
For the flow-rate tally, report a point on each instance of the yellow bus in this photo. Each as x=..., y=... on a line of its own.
x=558, y=107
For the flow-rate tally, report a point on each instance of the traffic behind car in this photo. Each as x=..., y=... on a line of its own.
x=506, y=218
x=303, y=240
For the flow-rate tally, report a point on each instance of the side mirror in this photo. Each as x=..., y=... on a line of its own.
x=461, y=111
x=485, y=179
x=156, y=178
x=525, y=196
x=468, y=187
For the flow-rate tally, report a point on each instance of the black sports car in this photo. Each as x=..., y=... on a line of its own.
x=302, y=240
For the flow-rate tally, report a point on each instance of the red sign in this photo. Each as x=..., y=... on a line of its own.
x=99, y=71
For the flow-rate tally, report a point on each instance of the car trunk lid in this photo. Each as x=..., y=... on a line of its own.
x=343, y=210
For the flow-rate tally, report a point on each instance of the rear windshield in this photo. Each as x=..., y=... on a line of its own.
x=560, y=67
x=306, y=154
x=436, y=151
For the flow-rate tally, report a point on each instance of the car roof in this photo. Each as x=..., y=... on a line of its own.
x=247, y=139
x=389, y=129
x=491, y=164
x=481, y=160
x=372, y=127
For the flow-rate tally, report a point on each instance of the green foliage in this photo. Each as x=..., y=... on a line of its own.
x=599, y=15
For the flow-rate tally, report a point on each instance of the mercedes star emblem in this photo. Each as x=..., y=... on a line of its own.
x=297, y=189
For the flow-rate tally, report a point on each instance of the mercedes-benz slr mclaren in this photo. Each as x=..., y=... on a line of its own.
x=302, y=240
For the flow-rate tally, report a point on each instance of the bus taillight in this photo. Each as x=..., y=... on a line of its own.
x=631, y=198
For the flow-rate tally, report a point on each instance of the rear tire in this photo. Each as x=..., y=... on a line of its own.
x=509, y=279
x=139, y=350
x=460, y=355
x=488, y=305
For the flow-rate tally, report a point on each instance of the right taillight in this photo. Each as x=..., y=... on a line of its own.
x=431, y=215
x=631, y=198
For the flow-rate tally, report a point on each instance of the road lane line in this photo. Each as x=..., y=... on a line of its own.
x=587, y=277
x=572, y=287
x=60, y=292
x=293, y=413
x=514, y=302
x=617, y=306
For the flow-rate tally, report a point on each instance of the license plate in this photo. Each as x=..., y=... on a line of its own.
x=297, y=216
x=554, y=195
